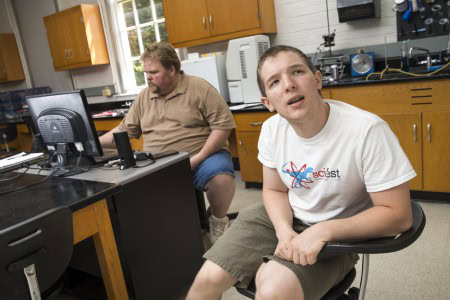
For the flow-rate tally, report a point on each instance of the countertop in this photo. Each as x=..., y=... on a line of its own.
x=357, y=81
x=22, y=205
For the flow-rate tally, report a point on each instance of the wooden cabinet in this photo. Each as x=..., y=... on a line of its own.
x=247, y=135
x=76, y=38
x=11, y=68
x=408, y=129
x=436, y=151
x=419, y=114
x=196, y=22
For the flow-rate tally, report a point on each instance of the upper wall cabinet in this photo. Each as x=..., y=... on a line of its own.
x=197, y=22
x=10, y=65
x=76, y=38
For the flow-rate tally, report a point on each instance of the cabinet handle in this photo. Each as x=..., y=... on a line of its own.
x=429, y=132
x=204, y=22
x=255, y=123
x=66, y=53
x=415, y=133
x=211, y=22
x=242, y=147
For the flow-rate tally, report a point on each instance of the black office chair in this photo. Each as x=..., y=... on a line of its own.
x=374, y=246
x=35, y=253
x=8, y=133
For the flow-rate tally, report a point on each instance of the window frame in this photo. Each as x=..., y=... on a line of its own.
x=120, y=33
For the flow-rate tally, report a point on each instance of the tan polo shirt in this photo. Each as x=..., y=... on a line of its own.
x=182, y=120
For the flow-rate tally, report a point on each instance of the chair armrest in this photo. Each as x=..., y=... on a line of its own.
x=381, y=245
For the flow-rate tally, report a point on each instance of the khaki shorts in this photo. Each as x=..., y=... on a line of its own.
x=251, y=240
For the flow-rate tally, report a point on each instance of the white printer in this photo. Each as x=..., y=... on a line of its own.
x=212, y=69
x=241, y=63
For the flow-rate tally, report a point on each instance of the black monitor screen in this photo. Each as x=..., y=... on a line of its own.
x=64, y=119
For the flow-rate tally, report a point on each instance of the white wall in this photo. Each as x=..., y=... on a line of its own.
x=5, y=26
x=301, y=23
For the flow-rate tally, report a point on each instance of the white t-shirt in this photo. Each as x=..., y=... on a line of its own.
x=330, y=175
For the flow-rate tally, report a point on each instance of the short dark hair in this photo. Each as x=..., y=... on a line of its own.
x=272, y=52
x=164, y=53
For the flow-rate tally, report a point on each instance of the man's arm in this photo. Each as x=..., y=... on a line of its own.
x=107, y=140
x=214, y=143
x=276, y=203
x=390, y=215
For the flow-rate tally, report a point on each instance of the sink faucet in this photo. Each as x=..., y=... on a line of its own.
x=424, y=50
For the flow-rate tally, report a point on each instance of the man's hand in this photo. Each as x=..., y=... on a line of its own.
x=307, y=245
x=284, y=248
x=195, y=161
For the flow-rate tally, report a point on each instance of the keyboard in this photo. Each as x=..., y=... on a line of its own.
x=108, y=154
x=15, y=161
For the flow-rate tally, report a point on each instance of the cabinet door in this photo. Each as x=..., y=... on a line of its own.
x=407, y=128
x=251, y=168
x=232, y=15
x=78, y=45
x=57, y=41
x=186, y=20
x=436, y=151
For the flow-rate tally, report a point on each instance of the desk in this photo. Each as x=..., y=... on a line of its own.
x=86, y=199
x=156, y=224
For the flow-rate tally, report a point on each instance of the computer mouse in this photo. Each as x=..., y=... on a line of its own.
x=140, y=156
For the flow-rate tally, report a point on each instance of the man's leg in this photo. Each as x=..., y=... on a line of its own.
x=220, y=192
x=215, y=176
x=210, y=282
x=275, y=281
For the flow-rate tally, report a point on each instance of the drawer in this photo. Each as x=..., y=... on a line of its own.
x=251, y=121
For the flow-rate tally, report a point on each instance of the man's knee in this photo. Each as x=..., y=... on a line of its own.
x=220, y=181
x=211, y=279
x=274, y=281
x=211, y=275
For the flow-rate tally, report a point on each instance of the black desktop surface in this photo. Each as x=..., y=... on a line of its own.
x=22, y=205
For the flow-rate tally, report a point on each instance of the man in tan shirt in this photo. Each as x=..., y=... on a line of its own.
x=184, y=113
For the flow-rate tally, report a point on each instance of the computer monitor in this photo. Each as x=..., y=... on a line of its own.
x=65, y=126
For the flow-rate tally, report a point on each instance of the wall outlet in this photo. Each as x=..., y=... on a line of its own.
x=107, y=92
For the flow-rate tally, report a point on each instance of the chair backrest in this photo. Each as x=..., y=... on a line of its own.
x=382, y=245
x=8, y=133
x=45, y=241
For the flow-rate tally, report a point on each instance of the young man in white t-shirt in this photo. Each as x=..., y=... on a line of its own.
x=331, y=172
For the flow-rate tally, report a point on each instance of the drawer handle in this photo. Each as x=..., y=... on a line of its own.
x=429, y=132
x=415, y=133
x=242, y=147
x=255, y=123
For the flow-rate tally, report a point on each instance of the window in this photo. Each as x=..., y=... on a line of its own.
x=138, y=24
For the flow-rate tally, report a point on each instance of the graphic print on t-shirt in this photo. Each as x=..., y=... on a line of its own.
x=300, y=177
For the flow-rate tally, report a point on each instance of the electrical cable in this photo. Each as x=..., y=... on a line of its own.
x=28, y=186
x=407, y=73
x=18, y=175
